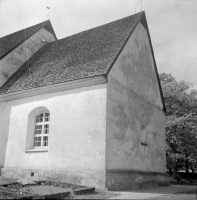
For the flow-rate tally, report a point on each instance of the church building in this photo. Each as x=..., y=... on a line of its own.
x=86, y=109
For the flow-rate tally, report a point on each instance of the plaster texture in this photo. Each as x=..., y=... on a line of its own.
x=4, y=131
x=135, y=120
x=135, y=180
x=77, y=134
x=14, y=60
x=88, y=177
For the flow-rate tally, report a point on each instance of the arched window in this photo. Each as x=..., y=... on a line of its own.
x=41, y=130
x=38, y=130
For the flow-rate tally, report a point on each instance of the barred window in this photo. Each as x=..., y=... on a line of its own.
x=41, y=132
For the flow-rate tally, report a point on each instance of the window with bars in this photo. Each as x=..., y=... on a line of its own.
x=41, y=132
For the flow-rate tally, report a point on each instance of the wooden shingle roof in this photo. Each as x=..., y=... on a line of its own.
x=86, y=54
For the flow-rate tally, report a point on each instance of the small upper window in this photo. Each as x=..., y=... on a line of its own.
x=41, y=131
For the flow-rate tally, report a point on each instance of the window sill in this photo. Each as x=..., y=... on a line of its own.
x=36, y=150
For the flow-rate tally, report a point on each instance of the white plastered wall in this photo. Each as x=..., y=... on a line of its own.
x=4, y=130
x=77, y=130
x=135, y=120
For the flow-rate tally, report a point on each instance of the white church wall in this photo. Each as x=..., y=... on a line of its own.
x=135, y=152
x=77, y=135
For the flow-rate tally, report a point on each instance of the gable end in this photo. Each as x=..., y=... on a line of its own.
x=47, y=25
x=143, y=21
x=117, y=55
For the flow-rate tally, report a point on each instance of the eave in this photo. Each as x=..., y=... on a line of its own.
x=96, y=80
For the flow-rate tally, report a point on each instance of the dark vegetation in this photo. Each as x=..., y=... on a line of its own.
x=181, y=126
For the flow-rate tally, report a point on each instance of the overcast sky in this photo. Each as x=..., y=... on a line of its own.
x=172, y=25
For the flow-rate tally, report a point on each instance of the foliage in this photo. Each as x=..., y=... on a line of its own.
x=181, y=123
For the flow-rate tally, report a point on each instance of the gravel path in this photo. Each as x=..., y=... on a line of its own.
x=173, y=192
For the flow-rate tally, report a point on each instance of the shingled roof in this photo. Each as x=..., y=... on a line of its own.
x=86, y=54
x=9, y=42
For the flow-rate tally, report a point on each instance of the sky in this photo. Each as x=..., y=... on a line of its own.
x=172, y=25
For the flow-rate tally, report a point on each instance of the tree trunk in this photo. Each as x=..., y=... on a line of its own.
x=186, y=166
x=170, y=171
x=175, y=173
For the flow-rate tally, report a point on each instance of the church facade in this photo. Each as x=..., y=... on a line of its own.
x=86, y=109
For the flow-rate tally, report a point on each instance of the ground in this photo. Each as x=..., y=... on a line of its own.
x=173, y=192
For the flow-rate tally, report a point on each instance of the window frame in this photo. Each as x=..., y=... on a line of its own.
x=42, y=134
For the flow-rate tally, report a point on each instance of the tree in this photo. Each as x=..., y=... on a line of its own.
x=181, y=124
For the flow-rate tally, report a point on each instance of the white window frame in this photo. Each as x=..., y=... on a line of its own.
x=42, y=134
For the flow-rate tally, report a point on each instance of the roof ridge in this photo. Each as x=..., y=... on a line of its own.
x=140, y=13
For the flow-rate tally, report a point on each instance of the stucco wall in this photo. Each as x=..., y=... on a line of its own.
x=134, y=110
x=14, y=60
x=77, y=137
x=4, y=130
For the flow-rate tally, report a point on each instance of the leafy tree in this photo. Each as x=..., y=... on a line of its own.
x=181, y=124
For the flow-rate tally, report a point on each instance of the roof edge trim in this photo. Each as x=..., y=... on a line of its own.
x=145, y=24
x=96, y=80
x=49, y=23
x=10, y=50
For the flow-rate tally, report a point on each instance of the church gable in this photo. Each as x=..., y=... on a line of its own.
x=17, y=48
x=135, y=121
x=11, y=41
x=135, y=67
